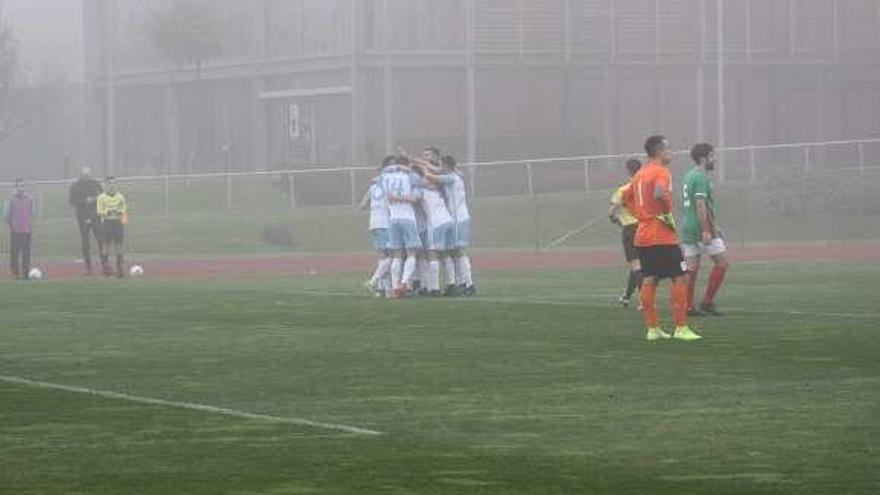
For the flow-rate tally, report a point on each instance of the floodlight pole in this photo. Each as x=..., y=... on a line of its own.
x=110, y=70
x=721, y=105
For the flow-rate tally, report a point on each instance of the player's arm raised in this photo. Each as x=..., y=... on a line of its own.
x=368, y=197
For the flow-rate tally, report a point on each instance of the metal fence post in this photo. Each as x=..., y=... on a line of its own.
x=228, y=191
x=472, y=179
x=352, y=178
x=806, y=158
x=753, y=172
x=530, y=184
x=587, y=175
x=861, y=147
x=291, y=190
x=39, y=203
x=165, y=195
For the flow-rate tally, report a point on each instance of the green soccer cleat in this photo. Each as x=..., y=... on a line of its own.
x=656, y=334
x=685, y=333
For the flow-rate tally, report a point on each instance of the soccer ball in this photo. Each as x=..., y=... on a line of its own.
x=35, y=274
x=136, y=271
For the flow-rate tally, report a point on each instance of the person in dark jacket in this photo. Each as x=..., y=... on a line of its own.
x=83, y=199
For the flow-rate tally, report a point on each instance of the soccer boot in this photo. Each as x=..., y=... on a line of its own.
x=469, y=291
x=695, y=313
x=656, y=333
x=710, y=309
x=623, y=300
x=451, y=291
x=685, y=333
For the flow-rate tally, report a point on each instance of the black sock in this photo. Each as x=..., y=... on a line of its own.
x=631, y=284
x=105, y=260
x=119, y=261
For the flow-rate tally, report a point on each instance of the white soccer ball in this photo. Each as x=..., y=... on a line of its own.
x=136, y=271
x=35, y=274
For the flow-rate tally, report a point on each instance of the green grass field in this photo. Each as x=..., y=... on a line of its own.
x=539, y=386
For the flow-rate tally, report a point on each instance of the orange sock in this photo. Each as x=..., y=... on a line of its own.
x=649, y=303
x=679, y=303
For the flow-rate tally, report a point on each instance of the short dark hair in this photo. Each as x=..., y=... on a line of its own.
x=387, y=161
x=700, y=151
x=433, y=149
x=653, y=144
x=633, y=165
x=401, y=160
x=449, y=162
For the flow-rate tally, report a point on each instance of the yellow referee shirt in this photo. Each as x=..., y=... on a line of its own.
x=625, y=216
x=111, y=207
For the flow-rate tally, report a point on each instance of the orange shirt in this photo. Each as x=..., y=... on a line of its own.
x=652, y=231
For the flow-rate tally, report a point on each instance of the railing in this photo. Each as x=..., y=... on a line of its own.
x=344, y=185
x=799, y=191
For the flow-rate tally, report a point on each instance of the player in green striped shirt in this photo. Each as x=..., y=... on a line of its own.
x=700, y=233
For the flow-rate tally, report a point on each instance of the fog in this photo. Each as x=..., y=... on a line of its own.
x=166, y=88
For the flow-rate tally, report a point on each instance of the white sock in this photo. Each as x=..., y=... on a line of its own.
x=449, y=268
x=424, y=271
x=382, y=268
x=396, y=272
x=463, y=271
x=434, y=276
x=409, y=268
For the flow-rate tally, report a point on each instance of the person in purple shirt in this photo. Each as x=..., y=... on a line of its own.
x=20, y=218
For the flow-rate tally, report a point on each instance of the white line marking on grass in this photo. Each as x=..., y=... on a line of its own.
x=188, y=405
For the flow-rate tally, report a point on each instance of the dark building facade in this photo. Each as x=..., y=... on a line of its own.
x=308, y=83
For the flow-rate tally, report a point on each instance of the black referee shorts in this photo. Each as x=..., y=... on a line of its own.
x=662, y=262
x=628, y=238
x=113, y=231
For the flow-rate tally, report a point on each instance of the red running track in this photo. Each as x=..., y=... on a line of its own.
x=315, y=264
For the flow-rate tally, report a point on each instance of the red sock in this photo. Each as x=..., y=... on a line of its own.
x=691, y=286
x=678, y=300
x=715, y=281
x=649, y=303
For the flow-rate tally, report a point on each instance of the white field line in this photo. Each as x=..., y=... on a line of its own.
x=188, y=405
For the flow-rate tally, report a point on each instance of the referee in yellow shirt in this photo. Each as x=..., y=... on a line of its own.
x=113, y=214
x=621, y=214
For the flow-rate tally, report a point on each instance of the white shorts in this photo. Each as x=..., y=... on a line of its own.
x=714, y=248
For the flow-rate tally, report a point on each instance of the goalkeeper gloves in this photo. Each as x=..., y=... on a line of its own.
x=667, y=220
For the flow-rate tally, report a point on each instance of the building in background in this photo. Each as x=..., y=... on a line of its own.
x=307, y=83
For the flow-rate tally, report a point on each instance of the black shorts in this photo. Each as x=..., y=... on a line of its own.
x=662, y=262
x=113, y=231
x=629, y=239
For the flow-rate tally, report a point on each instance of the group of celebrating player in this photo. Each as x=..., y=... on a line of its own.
x=419, y=222
x=652, y=245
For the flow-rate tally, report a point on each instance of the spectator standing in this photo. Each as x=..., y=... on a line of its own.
x=83, y=199
x=20, y=218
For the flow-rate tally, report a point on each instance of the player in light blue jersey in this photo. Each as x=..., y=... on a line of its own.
x=403, y=236
x=449, y=179
x=377, y=202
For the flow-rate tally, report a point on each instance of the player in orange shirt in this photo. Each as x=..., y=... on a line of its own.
x=657, y=240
